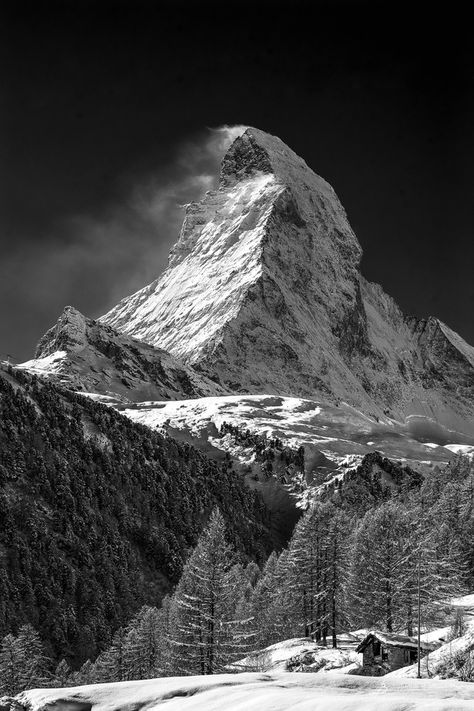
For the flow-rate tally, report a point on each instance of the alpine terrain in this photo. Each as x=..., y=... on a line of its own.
x=264, y=312
x=252, y=459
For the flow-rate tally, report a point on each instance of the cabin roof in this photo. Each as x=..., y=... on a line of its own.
x=388, y=639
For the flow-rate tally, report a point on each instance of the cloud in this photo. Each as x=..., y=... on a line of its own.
x=92, y=261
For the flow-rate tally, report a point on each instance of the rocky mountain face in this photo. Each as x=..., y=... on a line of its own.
x=89, y=356
x=263, y=294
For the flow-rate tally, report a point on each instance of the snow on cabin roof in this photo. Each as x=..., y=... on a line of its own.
x=394, y=640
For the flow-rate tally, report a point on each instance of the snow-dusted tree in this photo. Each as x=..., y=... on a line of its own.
x=304, y=580
x=204, y=629
x=262, y=606
x=33, y=662
x=312, y=586
x=336, y=566
x=110, y=665
x=62, y=675
x=9, y=667
x=377, y=591
x=86, y=675
x=23, y=661
x=146, y=652
x=437, y=567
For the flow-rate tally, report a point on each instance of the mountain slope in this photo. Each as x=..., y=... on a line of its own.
x=86, y=355
x=98, y=514
x=263, y=293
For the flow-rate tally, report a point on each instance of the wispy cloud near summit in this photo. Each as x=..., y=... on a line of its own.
x=94, y=260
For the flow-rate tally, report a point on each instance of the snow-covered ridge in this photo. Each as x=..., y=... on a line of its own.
x=334, y=437
x=91, y=357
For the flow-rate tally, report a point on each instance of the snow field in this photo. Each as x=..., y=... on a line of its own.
x=260, y=691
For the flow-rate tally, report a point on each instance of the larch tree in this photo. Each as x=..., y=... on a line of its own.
x=9, y=667
x=204, y=628
x=336, y=566
x=377, y=579
x=262, y=604
x=23, y=661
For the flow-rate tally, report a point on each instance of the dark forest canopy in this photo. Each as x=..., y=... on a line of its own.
x=98, y=515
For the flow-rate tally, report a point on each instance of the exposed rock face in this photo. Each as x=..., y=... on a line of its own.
x=263, y=293
x=90, y=356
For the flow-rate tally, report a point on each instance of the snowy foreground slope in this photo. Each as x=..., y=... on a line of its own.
x=260, y=691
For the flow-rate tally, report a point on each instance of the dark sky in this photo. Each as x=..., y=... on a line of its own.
x=104, y=111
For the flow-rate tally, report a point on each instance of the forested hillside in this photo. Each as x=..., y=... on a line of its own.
x=98, y=515
x=344, y=569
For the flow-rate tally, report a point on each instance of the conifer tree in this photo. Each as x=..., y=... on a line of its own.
x=23, y=661
x=336, y=567
x=143, y=654
x=110, y=665
x=262, y=606
x=304, y=576
x=9, y=667
x=377, y=582
x=87, y=674
x=32, y=660
x=203, y=623
x=62, y=675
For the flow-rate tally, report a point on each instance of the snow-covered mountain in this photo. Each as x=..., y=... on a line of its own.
x=264, y=294
x=89, y=356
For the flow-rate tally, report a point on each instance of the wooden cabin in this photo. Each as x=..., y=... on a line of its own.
x=383, y=652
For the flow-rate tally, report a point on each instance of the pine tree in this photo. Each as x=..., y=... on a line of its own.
x=23, y=661
x=203, y=623
x=312, y=584
x=86, y=675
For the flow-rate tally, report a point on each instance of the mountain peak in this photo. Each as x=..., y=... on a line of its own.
x=245, y=156
x=263, y=293
x=67, y=334
x=257, y=152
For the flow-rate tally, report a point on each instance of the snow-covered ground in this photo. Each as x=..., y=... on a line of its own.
x=261, y=691
x=304, y=652
x=340, y=433
x=433, y=662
